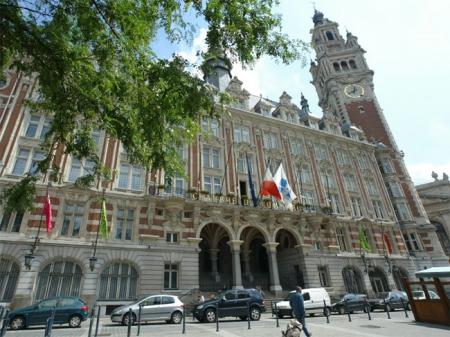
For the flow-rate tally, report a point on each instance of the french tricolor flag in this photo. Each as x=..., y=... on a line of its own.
x=269, y=187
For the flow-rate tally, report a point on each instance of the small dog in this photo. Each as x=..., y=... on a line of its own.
x=293, y=329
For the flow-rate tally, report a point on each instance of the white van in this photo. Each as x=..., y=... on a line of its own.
x=314, y=302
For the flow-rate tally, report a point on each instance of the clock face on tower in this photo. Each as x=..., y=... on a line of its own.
x=354, y=90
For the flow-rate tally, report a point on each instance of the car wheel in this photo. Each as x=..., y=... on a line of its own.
x=126, y=318
x=177, y=317
x=17, y=323
x=255, y=314
x=210, y=315
x=74, y=321
x=341, y=310
x=280, y=316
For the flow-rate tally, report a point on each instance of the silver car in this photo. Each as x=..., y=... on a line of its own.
x=154, y=308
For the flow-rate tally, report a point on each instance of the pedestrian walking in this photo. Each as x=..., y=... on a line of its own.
x=298, y=306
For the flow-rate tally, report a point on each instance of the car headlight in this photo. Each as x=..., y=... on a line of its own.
x=200, y=307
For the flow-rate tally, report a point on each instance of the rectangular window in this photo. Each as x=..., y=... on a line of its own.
x=371, y=186
x=356, y=206
x=342, y=240
x=306, y=176
x=242, y=134
x=402, y=211
x=270, y=140
x=350, y=183
x=171, y=237
x=394, y=188
x=130, y=177
x=378, y=208
x=80, y=169
x=211, y=157
x=124, y=224
x=342, y=157
x=27, y=160
x=386, y=165
x=297, y=147
x=72, y=220
x=10, y=222
x=323, y=276
x=363, y=162
x=170, y=276
x=212, y=184
x=327, y=179
x=412, y=241
x=241, y=164
x=37, y=127
x=320, y=151
x=335, y=205
x=211, y=125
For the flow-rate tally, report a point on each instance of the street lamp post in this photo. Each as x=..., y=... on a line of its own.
x=93, y=258
x=388, y=263
x=365, y=262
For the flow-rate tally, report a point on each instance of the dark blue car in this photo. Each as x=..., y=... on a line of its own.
x=69, y=310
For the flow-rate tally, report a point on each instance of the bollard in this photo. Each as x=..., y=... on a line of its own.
x=98, y=321
x=130, y=322
x=348, y=313
x=184, y=320
x=404, y=307
x=368, y=310
x=276, y=315
x=91, y=322
x=49, y=324
x=386, y=309
x=5, y=325
x=139, y=320
x=326, y=311
x=248, y=315
x=2, y=309
x=217, y=317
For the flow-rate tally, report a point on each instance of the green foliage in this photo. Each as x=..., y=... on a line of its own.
x=20, y=196
x=97, y=70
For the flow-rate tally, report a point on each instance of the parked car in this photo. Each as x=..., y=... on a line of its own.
x=68, y=310
x=232, y=303
x=389, y=300
x=153, y=308
x=351, y=303
x=420, y=295
x=314, y=302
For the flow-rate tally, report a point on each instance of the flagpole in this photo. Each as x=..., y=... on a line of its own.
x=225, y=169
x=93, y=259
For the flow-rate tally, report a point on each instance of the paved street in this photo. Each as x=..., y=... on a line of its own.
x=339, y=326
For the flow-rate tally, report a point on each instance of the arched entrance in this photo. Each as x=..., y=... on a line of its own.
x=254, y=265
x=215, y=268
x=378, y=280
x=353, y=280
x=288, y=260
x=399, y=274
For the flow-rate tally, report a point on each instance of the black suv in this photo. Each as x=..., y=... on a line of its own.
x=351, y=303
x=389, y=301
x=232, y=303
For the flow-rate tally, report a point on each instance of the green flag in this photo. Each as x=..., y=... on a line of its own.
x=363, y=243
x=103, y=221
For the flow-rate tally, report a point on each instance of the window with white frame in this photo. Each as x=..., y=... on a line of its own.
x=305, y=175
x=171, y=237
x=270, y=140
x=386, y=165
x=308, y=198
x=37, y=126
x=378, y=208
x=212, y=184
x=350, y=183
x=335, y=203
x=297, y=147
x=327, y=179
x=174, y=185
x=124, y=224
x=363, y=162
x=130, y=177
x=170, y=276
x=324, y=276
x=394, y=187
x=241, y=164
x=342, y=157
x=211, y=125
x=72, y=220
x=342, y=239
x=402, y=211
x=412, y=241
x=96, y=137
x=10, y=222
x=320, y=151
x=356, y=206
x=27, y=161
x=371, y=186
x=211, y=157
x=80, y=168
x=242, y=134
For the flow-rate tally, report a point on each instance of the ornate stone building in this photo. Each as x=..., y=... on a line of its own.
x=174, y=234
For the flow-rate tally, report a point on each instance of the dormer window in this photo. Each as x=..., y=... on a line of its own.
x=344, y=65
x=329, y=36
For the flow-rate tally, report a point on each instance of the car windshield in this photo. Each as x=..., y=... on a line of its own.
x=418, y=293
x=382, y=295
x=348, y=297
x=289, y=296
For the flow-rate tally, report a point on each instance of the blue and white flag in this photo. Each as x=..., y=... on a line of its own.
x=287, y=194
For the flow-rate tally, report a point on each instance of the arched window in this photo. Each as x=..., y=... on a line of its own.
x=336, y=66
x=9, y=273
x=118, y=281
x=353, y=280
x=59, y=278
x=352, y=64
x=329, y=35
x=344, y=65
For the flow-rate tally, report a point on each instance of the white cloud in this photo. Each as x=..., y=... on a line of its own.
x=421, y=172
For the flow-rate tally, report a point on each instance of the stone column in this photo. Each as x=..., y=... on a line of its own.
x=246, y=260
x=271, y=248
x=213, y=252
x=235, y=246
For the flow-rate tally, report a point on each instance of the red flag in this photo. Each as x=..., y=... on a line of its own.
x=387, y=243
x=268, y=186
x=48, y=214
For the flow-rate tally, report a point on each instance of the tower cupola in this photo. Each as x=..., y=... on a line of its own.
x=217, y=69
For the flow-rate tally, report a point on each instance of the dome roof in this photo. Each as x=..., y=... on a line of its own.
x=318, y=17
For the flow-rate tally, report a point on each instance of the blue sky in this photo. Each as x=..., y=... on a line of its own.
x=407, y=44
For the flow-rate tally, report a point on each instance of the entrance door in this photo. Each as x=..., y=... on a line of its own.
x=378, y=284
x=243, y=191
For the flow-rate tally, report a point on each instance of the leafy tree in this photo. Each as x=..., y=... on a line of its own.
x=97, y=69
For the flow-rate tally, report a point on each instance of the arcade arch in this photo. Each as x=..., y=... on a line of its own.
x=378, y=280
x=353, y=280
